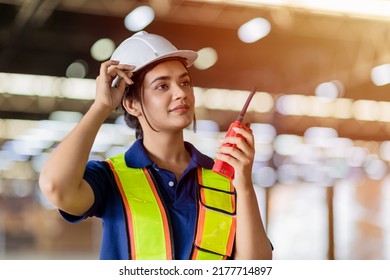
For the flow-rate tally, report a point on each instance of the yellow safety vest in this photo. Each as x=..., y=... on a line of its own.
x=148, y=227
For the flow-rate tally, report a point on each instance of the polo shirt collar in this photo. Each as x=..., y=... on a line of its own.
x=136, y=156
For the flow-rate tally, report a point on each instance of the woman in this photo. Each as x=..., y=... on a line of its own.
x=160, y=200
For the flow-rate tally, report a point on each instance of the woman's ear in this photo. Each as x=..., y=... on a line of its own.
x=132, y=107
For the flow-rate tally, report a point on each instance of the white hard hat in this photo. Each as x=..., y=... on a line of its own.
x=143, y=48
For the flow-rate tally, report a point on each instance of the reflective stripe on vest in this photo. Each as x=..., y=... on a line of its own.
x=147, y=223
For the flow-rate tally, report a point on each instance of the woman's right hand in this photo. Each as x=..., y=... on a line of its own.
x=107, y=96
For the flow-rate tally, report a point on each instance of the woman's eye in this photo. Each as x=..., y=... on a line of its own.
x=186, y=83
x=162, y=86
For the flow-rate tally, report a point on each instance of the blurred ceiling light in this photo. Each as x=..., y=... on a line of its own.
x=78, y=88
x=223, y=99
x=315, y=174
x=307, y=154
x=262, y=102
x=139, y=18
x=342, y=108
x=26, y=148
x=320, y=136
x=356, y=156
x=207, y=57
x=24, y=84
x=37, y=85
x=254, y=30
x=287, y=144
x=10, y=153
x=12, y=128
x=330, y=90
x=6, y=159
x=338, y=168
x=55, y=128
x=116, y=134
x=385, y=111
x=214, y=98
x=35, y=139
x=301, y=105
x=366, y=110
x=234, y=100
x=378, y=9
x=65, y=116
x=318, y=107
x=278, y=160
x=375, y=168
x=384, y=150
x=264, y=176
x=380, y=75
x=102, y=49
x=292, y=104
x=339, y=147
x=77, y=69
x=350, y=7
x=207, y=126
x=264, y=133
x=288, y=174
x=264, y=152
x=199, y=100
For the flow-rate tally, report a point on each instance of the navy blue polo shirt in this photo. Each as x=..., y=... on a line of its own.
x=179, y=197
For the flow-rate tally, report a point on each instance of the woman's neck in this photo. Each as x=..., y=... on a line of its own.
x=168, y=152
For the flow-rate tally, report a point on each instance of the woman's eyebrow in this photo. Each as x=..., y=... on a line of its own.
x=164, y=78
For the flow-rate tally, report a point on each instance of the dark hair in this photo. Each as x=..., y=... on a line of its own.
x=135, y=93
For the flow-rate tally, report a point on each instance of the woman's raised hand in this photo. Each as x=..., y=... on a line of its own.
x=107, y=96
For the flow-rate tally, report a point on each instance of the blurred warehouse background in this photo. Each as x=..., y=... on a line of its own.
x=321, y=117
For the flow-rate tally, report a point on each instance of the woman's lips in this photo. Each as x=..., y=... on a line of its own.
x=180, y=108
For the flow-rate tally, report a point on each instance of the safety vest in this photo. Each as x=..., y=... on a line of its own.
x=148, y=226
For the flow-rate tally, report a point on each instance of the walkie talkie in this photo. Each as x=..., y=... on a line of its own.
x=220, y=166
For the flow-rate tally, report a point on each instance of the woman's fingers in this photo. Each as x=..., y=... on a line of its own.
x=122, y=76
x=237, y=150
x=104, y=67
x=234, y=153
x=111, y=69
x=244, y=141
x=107, y=94
x=124, y=72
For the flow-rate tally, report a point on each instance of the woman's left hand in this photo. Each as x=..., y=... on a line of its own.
x=240, y=155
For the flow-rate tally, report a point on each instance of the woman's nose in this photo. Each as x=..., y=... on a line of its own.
x=179, y=92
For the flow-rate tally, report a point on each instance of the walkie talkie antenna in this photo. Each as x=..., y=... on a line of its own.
x=243, y=111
